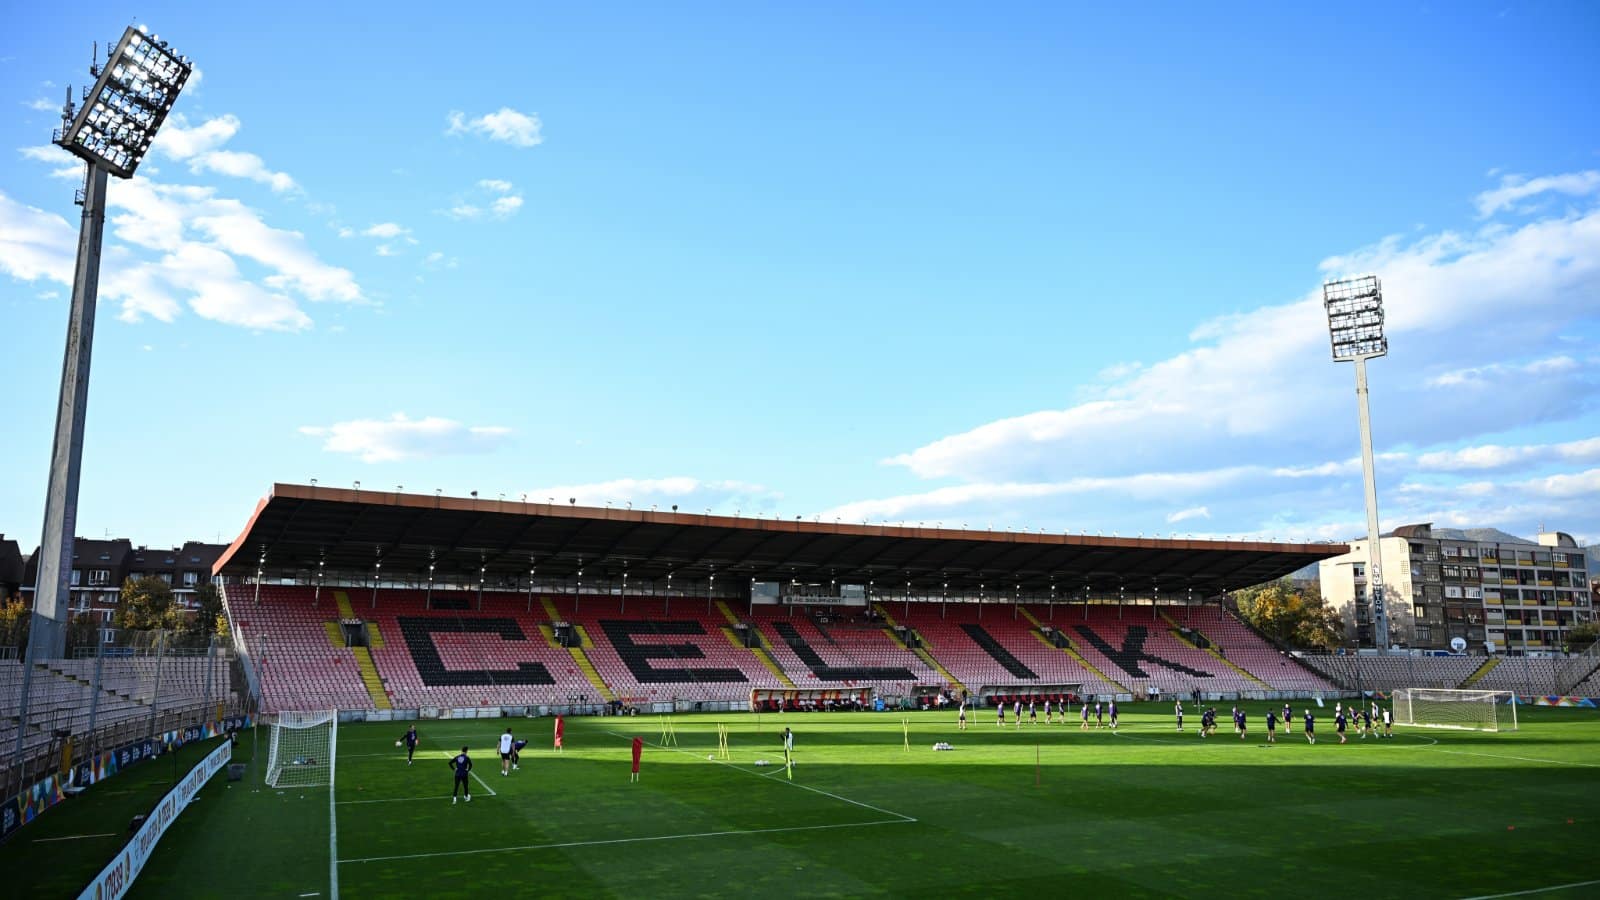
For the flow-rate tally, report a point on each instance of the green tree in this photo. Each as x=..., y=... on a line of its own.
x=1582, y=635
x=15, y=619
x=208, y=618
x=83, y=631
x=1289, y=614
x=146, y=605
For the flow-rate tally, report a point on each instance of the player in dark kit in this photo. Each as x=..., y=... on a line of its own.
x=410, y=740
x=1338, y=725
x=1242, y=727
x=1288, y=719
x=1311, y=728
x=1113, y=711
x=1177, y=710
x=1272, y=727
x=463, y=767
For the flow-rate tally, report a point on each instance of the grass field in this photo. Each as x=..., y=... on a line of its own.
x=1145, y=811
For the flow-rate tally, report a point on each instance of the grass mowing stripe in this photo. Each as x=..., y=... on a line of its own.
x=631, y=840
x=1554, y=762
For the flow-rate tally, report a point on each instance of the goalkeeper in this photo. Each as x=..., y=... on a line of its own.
x=410, y=740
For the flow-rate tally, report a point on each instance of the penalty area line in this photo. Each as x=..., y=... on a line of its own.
x=631, y=840
x=803, y=787
x=1554, y=762
x=484, y=783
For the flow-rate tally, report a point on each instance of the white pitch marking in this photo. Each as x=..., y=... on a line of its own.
x=482, y=782
x=1543, y=890
x=1557, y=762
x=804, y=787
x=632, y=840
x=74, y=837
x=395, y=799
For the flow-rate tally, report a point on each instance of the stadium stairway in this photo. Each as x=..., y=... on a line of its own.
x=579, y=657
x=364, y=664
x=1487, y=667
x=1070, y=650
x=760, y=653
x=921, y=651
x=1212, y=650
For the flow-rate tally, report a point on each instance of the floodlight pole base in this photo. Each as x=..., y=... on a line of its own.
x=1380, y=617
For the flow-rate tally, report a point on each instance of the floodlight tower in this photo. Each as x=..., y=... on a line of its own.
x=1355, y=325
x=111, y=131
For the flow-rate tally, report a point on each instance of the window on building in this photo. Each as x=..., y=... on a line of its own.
x=190, y=579
x=99, y=576
x=76, y=578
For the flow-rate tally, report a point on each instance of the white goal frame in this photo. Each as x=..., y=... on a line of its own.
x=302, y=749
x=1468, y=710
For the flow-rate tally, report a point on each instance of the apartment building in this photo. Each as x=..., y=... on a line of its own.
x=99, y=567
x=1497, y=592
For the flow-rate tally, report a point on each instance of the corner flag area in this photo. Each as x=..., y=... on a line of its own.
x=1145, y=810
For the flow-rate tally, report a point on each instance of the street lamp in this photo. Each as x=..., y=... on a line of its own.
x=111, y=131
x=1355, y=326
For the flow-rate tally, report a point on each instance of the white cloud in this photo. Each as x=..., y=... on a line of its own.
x=1481, y=376
x=1193, y=512
x=41, y=105
x=690, y=494
x=399, y=438
x=464, y=211
x=1515, y=188
x=35, y=244
x=506, y=126
x=1495, y=456
x=1260, y=382
x=386, y=230
x=505, y=207
x=497, y=185
x=386, y=250
x=200, y=147
x=491, y=198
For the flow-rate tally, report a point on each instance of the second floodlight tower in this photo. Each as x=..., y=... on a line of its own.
x=1355, y=325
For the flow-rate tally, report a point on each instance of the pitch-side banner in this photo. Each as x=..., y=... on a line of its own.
x=117, y=877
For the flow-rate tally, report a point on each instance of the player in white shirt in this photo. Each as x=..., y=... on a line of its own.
x=505, y=752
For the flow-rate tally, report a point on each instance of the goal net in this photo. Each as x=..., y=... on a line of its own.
x=302, y=748
x=1473, y=710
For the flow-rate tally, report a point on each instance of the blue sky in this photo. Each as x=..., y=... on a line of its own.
x=1048, y=266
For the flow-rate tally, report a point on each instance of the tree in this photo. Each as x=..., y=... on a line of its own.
x=146, y=605
x=83, y=632
x=208, y=618
x=1289, y=614
x=16, y=617
x=1582, y=636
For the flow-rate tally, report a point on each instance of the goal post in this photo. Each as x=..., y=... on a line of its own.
x=1470, y=710
x=302, y=749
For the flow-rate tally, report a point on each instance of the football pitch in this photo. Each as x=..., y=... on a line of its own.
x=1143, y=811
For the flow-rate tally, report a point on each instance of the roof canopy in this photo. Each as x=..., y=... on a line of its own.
x=296, y=528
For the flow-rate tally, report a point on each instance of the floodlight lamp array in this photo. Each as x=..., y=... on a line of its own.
x=1355, y=317
x=130, y=99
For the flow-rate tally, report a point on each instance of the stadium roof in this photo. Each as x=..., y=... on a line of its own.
x=297, y=527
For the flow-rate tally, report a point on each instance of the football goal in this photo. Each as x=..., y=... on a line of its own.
x=1473, y=710
x=302, y=748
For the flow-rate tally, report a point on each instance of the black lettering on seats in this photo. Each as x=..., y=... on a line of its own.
x=1133, y=652
x=418, y=633
x=1000, y=654
x=825, y=672
x=637, y=656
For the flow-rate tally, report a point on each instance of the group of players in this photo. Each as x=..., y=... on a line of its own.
x=1375, y=721
x=1101, y=711
x=510, y=760
x=1366, y=722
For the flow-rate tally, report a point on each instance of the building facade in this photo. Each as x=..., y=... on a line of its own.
x=1497, y=592
x=99, y=569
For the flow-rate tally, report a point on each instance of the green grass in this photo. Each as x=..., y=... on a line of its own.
x=1144, y=812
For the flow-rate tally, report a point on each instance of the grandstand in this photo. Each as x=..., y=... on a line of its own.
x=369, y=602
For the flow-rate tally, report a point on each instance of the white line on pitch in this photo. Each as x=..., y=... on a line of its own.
x=74, y=837
x=484, y=783
x=1543, y=890
x=803, y=787
x=630, y=840
x=1557, y=762
x=395, y=799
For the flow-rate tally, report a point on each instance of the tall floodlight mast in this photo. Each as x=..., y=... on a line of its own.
x=1355, y=325
x=111, y=131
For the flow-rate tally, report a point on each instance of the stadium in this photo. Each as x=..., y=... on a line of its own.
x=354, y=616
x=373, y=693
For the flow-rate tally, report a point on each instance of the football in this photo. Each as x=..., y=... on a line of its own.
x=397, y=743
